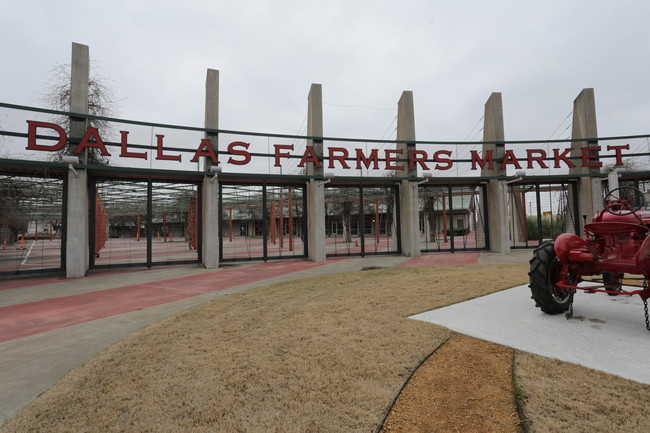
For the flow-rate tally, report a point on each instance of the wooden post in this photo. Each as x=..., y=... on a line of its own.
x=290, y=221
x=230, y=223
x=444, y=217
x=281, y=220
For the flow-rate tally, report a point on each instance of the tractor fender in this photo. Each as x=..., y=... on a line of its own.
x=567, y=242
x=643, y=257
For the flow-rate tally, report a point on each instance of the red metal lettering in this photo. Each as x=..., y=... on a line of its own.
x=390, y=159
x=97, y=143
x=340, y=158
x=310, y=156
x=586, y=156
x=557, y=157
x=541, y=154
x=31, y=136
x=373, y=158
x=125, y=153
x=205, y=149
x=418, y=157
x=619, y=157
x=447, y=161
x=242, y=153
x=487, y=159
x=278, y=154
x=159, y=141
x=509, y=158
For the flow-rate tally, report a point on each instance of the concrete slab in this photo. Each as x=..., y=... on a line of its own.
x=606, y=333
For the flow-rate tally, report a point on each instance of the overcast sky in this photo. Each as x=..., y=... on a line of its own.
x=452, y=55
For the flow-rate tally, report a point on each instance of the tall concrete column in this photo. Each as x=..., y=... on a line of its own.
x=315, y=126
x=584, y=127
x=315, y=188
x=493, y=131
x=406, y=130
x=409, y=209
x=210, y=205
x=79, y=94
x=77, y=230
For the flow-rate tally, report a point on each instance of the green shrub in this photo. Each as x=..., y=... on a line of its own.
x=551, y=227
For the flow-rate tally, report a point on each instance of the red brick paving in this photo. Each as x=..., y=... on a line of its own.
x=17, y=321
x=31, y=318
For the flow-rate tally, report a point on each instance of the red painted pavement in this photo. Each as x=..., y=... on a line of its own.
x=22, y=320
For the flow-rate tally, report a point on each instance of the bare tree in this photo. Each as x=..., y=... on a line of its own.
x=629, y=165
x=101, y=102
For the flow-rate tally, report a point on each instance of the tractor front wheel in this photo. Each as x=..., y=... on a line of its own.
x=545, y=272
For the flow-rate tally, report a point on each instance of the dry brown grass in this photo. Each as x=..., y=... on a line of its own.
x=324, y=354
x=563, y=397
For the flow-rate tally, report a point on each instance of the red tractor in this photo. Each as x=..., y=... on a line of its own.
x=616, y=246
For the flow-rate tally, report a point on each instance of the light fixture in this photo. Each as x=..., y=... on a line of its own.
x=427, y=177
x=71, y=159
x=216, y=169
x=328, y=178
x=518, y=176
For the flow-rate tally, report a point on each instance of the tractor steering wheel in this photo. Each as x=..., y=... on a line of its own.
x=624, y=201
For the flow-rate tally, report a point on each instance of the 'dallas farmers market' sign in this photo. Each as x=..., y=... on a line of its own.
x=337, y=157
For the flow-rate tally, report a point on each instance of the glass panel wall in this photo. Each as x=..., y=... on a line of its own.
x=343, y=221
x=144, y=223
x=361, y=220
x=173, y=205
x=31, y=223
x=538, y=212
x=284, y=206
x=242, y=223
x=262, y=222
x=120, y=223
x=452, y=217
x=380, y=223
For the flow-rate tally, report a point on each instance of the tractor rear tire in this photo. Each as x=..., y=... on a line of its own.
x=545, y=270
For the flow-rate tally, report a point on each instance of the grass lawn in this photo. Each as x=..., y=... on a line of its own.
x=327, y=354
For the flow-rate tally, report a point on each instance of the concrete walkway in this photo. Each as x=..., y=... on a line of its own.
x=606, y=333
x=50, y=325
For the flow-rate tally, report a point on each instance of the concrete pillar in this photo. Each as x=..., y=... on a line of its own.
x=517, y=215
x=79, y=78
x=583, y=127
x=612, y=180
x=493, y=131
x=315, y=188
x=77, y=230
x=210, y=205
x=315, y=126
x=406, y=130
x=409, y=209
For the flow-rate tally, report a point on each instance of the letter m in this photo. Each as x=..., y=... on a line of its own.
x=487, y=159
